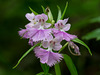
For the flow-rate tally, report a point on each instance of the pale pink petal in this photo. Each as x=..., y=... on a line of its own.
x=62, y=26
x=38, y=35
x=65, y=21
x=23, y=33
x=32, y=32
x=49, y=37
x=45, y=17
x=57, y=47
x=29, y=25
x=66, y=27
x=46, y=25
x=56, y=26
x=42, y=16
x=32, y=25
x=47, y=32
x=58, y=40
x=58, y=34
x=41, y=35
x=54, y=58
x=60, y=21
x=68, y=37
x=30, y=16
x=30, y=42
x=37, y=17
x=45, y=44
x=64, y=35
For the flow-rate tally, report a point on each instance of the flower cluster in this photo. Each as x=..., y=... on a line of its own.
x=50, y=36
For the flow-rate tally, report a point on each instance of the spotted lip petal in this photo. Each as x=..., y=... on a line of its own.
x=48, y=57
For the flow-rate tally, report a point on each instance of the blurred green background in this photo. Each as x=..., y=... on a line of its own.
x=84, y=15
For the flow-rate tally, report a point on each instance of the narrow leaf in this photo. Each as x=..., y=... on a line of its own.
x=94, y=34
x=57, y=69
x=70, y=64
x=82, y=43
x=26, y=54
x=59, y=13
x=64, y=11
x=43, y=10
x=41, y=73
x=45, y=68
x=33, y=11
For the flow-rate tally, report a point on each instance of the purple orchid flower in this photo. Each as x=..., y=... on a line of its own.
x=31, y=18
x=41, y=33
x=60, y=28
x=53, y=44
x=41, y=19
x=48, y=57
x=38, y=31
x=47, y=39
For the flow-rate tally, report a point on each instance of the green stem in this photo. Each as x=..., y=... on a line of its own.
x=57, y=69
x=26, y=54
x=45, y=68
x=63, y=47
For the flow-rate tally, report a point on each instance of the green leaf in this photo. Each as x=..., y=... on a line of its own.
x=43, y=10
x=45, y=68
x=59, y=13
x=57, y=69
x=26, y=54
x=82, y=43
x=64, y=11
x=70, y=64
x=63, y=47
x=41, y=73
x=94, y=34
x=96, y=19
x=33, y=11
